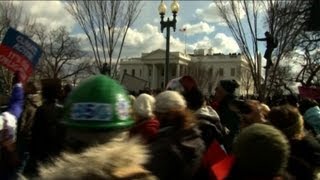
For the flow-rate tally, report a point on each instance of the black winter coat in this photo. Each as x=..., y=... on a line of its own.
x=176, y=154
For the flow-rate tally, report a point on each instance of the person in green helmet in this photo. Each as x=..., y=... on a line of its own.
x=97, y=119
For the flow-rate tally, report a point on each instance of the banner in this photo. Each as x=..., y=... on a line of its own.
x=309, y=92
x=132, y=83
x=19, y=53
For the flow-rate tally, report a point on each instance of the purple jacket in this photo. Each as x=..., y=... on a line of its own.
x=15, y=106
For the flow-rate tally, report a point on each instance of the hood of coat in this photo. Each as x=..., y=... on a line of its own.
x=34, y=99
x=312, y=112
x=113, y=160
x=208, y=113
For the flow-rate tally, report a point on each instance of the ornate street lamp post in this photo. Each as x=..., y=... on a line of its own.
x=167, y=24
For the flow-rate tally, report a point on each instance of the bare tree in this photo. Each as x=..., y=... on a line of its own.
x=12, y=15
x=106, y=24
x=283, y=80
x=310, y=68
x=281, y=18
x=245, y=31
x=62, y=55
x=285, y=20
x=246, y=80
x=204, y=76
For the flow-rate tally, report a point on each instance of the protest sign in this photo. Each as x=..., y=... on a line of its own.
x=309, y=92
x=19, y=53
x=132, y=83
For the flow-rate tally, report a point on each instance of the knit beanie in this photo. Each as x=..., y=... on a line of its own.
x=144, y=105
x=288, y=119
x=229, y=85
x=261, y=150
x=169, y=100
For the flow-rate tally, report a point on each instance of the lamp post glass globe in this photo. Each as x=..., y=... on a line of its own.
x=175, y=6
x=162, y=8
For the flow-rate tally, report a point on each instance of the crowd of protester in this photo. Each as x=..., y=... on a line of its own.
x=98, y=130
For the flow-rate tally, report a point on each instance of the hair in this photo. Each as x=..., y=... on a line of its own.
x=229, y=85
x=181, y=119
x=51, y=90
x=306, y=104
x=194, y=99
x=288, y=119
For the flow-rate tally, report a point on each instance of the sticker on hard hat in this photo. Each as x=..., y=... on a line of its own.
x=122, y=108
x=91, y=111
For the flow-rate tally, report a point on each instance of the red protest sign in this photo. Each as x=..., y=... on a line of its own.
x=309, y=92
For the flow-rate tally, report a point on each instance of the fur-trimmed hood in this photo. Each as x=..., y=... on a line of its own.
x=113, y=160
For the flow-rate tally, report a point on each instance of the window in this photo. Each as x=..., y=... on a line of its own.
x=220, y=71
x=133, y=72
x=162, y=72
x=140, y=72
x=233, y=72
x=150, y=72
x=125, y=71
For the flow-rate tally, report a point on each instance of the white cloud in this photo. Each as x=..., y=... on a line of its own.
x=221, y=43
x=201, y=27
x=211, y=13
x=147, y=39
x=50, y=13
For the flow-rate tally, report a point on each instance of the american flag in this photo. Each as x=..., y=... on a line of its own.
x=183, y=29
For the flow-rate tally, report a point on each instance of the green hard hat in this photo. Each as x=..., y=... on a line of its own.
x=98, y=103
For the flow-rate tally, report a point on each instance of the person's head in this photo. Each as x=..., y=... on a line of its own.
x=265, y=110
x=143, y=107
x=261, y=151
x=224, y=88
x=306, y=104
x=30, y=88
x=288, y=119
x=171, y=110
x=95, y=112
x=67, y=89
x=267, y=33
x=250, y=112
x=51, y=89
x=187, y=86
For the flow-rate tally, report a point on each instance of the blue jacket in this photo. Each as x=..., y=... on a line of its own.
x=312, y=117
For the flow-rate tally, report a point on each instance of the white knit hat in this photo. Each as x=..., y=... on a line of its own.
x=144, y=105
x=169, y=100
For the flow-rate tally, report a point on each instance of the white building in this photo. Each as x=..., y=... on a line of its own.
x=214, y=67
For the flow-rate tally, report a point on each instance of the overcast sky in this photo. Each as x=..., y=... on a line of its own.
x=204, y=27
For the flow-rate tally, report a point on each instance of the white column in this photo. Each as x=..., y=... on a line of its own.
x=178, y=70
x=154, y=77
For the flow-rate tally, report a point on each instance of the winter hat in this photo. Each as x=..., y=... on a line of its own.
x=182, y=84
x=229, y=85
x=288, y=119
x=144, y=105
x=98, y=103
x=169, y=100
x=261, y=149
